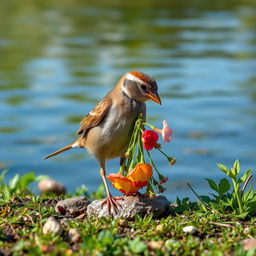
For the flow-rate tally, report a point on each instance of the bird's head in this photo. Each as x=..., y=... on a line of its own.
x=139, y=86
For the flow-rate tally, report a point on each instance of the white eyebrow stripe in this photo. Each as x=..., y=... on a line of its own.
x=134, y=78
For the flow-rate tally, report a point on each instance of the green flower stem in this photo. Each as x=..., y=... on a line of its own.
x=131, y=150
x=141, y=151
x=168, y=157
x=150, y=125
x=152, y=163
x=150, y=189
x=238, y=196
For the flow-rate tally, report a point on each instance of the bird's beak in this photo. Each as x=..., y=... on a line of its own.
x=154, y=96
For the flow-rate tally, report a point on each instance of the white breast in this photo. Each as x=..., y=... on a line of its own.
x=116, y=131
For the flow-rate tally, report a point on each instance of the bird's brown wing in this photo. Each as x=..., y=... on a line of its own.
x=95, y=117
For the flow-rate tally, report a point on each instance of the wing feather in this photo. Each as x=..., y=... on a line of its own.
x=95, y=117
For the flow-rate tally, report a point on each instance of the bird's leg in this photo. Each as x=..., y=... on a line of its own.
x=122, y=165
x=110, y=200
x=122, y=159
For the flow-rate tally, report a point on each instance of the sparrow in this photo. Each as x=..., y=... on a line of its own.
x=106, y=131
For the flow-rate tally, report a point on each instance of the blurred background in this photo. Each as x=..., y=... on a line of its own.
x=59, y=58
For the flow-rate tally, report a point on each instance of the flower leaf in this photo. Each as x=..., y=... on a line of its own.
x=223, y=168
x=224, y=186
x=245, y=176
x=213, y=185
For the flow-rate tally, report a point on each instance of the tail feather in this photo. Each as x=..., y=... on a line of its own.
x=60, y=151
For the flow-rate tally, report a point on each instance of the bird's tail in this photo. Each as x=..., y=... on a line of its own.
x=74, y=144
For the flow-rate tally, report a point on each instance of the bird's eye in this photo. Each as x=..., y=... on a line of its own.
x=143, y=86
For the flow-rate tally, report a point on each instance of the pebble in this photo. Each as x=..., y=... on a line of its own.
x=73, y=235
x=189, y=229
x=72, y=206
x=155, y=244
x=131, y=205
x=52, y=226
x=249, y=243
x=51, y=186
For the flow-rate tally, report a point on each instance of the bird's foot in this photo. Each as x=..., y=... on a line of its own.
x=112, y=203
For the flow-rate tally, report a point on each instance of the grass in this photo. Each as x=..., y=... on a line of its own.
x=222, y=222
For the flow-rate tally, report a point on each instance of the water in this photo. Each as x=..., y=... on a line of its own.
x=59, y=59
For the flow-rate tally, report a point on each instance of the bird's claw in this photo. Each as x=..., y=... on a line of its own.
x=112, y=204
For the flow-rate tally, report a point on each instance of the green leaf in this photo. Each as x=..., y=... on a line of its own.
x=206, y=199
x=42, y=177
x=138, y=218
x=26, y=179
x=231, y=174
x=137, y=246
x=236, y=165
x=242, y=215
x=213, y=185
x=249, y=195
x=6, y=193
x=105, y=237
x=14, y=181
x=224, y=186
x=245, y=176
x=223, y=168
x=236, y=168
x=3, y=175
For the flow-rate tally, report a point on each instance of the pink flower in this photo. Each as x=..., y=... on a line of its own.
x=166, y=132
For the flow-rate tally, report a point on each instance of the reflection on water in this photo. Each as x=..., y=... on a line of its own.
x=59, y=59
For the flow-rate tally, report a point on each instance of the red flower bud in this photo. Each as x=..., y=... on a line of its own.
x=149, y=139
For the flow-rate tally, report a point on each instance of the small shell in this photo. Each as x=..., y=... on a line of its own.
x=49, y=185
x=189, y=229
x=52, y=226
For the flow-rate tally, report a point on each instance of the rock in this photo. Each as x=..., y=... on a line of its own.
x=189, y=229
x=132, y=205
x=73, y=206
x=155, y=244
x=52, y=226
x=51, y=186
x=249, y=243
x=73, y=235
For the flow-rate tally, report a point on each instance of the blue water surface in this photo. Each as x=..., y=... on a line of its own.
x=58, y=59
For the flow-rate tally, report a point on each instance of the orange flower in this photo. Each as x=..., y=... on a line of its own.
x=122, y=184
x=140, y=174
x=135, y=180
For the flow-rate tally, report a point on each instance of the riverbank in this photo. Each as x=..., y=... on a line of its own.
x=190, y=229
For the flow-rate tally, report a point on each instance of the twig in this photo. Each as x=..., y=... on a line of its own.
x=246, y=183
x=200, y=199
x=220, y=224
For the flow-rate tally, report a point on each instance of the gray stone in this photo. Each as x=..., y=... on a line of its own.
x=72, y=206
x=132, y=205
